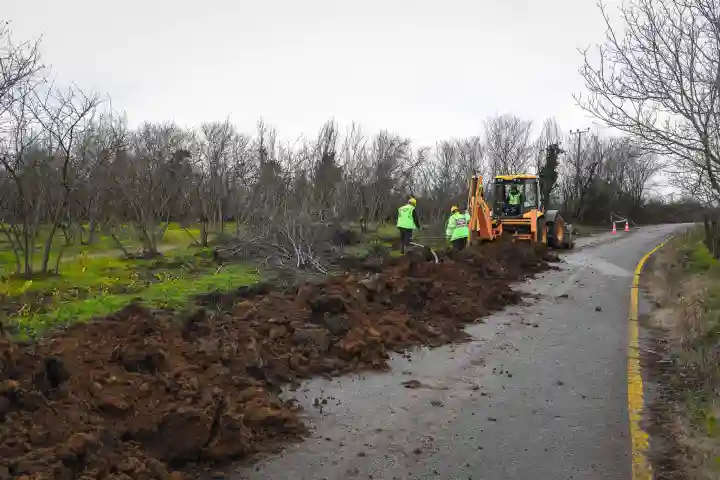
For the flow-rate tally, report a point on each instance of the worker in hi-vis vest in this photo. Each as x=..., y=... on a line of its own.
x=514, y=201
x=407, y=221
x=458, y=228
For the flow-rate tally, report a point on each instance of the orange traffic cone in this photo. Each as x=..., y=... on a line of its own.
x=614, y=230
x=627, y=226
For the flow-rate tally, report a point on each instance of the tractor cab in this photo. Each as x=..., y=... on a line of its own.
x=515, y=195
x=517, y=210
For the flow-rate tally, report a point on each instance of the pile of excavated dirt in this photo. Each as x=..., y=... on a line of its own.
x=140, y=394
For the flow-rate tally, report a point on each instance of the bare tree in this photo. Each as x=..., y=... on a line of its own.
x=640, y=169
x=326, y=170
x=387, y=172
x=551, y=134
x=444, y=176
x=150, y=180
x=19, y=66
x=212, y=176
x=101, y=142
x=659, y=80
x=507, y=144
x=19, y=76
x=37, y=150
x=65, y=117
x=27, y=174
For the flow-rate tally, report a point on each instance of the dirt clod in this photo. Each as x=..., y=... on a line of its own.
x=144, y=394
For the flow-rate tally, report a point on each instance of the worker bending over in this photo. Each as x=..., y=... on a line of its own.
x=407, y=222
x=458, y=229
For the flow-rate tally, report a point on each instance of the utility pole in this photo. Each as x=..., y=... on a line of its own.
x=579, y=133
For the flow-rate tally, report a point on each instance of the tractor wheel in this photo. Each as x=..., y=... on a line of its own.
x=557, y=234
x=541, y=235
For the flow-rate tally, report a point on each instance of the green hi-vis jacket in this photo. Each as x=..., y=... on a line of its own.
x=406, y=217
x=458, y=226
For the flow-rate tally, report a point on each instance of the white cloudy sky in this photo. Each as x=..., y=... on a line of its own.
x=427, y=69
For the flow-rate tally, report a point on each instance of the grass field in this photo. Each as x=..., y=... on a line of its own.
x=95, y=280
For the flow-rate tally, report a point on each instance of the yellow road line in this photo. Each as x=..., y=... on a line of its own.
x=641, y=468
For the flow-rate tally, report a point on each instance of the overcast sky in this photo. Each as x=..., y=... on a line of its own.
x=427, y=69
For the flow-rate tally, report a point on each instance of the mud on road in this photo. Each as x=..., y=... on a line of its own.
x=153, y=395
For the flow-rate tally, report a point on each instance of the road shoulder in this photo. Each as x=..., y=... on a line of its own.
x=641, y=469
x=679, y=352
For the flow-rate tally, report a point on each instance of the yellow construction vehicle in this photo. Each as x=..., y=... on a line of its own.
x=525, y=218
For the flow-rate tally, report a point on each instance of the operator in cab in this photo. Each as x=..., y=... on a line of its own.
x=514, y=201
x=458, y=230
x=407, y=222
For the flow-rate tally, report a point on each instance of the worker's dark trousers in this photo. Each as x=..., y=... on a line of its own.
x=405, y=237
x=513, y=210
x=459, y=244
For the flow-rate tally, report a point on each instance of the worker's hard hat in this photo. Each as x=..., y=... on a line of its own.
x=412, y=201
x=453, y=209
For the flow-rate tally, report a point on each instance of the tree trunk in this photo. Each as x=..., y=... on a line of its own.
x=119, y=244
x=47, y=249
x=92, y=228
x=204, y=233
x=16, y=249
x=29, y=242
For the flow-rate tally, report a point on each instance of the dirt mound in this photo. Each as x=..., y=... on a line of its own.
x=139, y=393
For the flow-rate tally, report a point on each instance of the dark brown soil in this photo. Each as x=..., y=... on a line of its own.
x=140, y=394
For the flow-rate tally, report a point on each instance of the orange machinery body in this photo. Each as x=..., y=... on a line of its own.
x=485, y=227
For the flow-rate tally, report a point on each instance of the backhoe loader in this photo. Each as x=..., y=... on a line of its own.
x=526, y=221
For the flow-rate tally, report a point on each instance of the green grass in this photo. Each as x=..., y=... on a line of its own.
x=103, y=245
x=105, y=291
x=386, y=231
x=175, y=291
x=700, y=260
x=94, y=281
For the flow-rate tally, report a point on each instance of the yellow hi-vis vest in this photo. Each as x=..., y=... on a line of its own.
x=457, y=226
x=405, y=217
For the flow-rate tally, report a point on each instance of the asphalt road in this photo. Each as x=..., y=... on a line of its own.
x=540, y=394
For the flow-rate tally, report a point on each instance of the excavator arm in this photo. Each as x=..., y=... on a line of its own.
x=481, y=222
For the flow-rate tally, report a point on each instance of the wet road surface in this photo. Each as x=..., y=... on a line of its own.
x=541, y=393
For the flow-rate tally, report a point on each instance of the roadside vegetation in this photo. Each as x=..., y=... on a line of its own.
x=684, y=281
